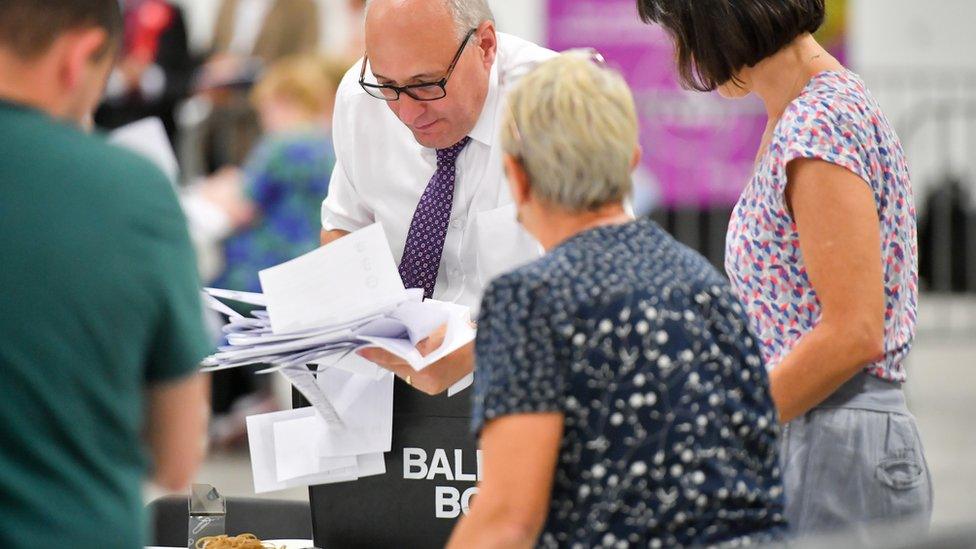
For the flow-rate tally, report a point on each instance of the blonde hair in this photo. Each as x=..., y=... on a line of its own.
x=573, y=126
x=308, y=81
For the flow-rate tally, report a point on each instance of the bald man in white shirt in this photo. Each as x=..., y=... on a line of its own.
x=431, y=87
x=417, y=146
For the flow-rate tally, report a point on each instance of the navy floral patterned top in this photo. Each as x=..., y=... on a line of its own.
x=670, y=431
x=287, y=177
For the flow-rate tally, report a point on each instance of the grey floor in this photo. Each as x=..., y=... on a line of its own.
x=941, y=393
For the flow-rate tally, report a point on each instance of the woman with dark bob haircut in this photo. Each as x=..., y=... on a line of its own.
x=822, y=251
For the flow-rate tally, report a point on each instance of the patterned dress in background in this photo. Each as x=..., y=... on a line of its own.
x=287, y=177
x=836, y=120
x=670, y=431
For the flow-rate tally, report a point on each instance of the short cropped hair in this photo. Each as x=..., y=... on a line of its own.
x=28, y=28
x=573, y=126
x=308, y=81
x=715, y=39
x=467, y=14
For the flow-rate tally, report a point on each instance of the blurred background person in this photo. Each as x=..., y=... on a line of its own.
x=154, y=69
x=240, y=194
x=102, y=327
x=285, y=178
x=619, y=395
x=265, y=29
x=249, y=35
x=822, y=249
x=151, y=79
x=287, y=175
x=216, y=207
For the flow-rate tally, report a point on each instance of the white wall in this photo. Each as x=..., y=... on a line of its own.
x=918, y=56
x=913, y=33
x=524, y=18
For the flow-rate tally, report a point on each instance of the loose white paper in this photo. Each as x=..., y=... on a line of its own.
x=261, y=441
x=220, y=307
x=371, y=464
x=296, y=453
x=304, y=382
x=356, y=364
x=424, y=318
x=461, y=385
x=421, y=322
x=350, y=278
x=250, y=298
x=365, y=406
x=147, y=138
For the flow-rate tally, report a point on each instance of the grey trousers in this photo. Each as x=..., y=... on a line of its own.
x=855, y=460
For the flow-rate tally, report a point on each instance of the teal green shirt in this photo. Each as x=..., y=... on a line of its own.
x=99, y=298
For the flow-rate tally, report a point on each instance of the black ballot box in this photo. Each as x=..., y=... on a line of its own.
x=429, y=483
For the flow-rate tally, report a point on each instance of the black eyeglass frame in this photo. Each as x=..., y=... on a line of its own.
x=442, y=83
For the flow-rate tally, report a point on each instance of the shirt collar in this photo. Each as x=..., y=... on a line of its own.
x=484, y=130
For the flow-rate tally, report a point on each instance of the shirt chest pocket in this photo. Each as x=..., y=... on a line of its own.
x=501, y=243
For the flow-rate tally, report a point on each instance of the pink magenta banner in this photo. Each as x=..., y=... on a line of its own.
x=699, y=148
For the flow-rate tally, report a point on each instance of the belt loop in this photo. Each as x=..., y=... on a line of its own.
x=887, y=440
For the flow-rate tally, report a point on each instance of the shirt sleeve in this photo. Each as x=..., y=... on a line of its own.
x=517, y=370
x=344, y=208
x=829, y=133
x=180, y=340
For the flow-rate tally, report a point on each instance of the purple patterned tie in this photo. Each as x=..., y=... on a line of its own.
x=425, y=240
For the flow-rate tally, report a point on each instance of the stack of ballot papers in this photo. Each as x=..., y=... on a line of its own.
x=397, y=328
x=318, y=310
x=321, y=307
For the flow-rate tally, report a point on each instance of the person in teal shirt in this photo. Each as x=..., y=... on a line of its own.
x=101, y=327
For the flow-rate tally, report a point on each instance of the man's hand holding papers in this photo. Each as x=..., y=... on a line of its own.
x=328, y=303
x=435, y=378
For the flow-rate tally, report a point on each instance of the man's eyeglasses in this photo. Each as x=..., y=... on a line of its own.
x=426, y=91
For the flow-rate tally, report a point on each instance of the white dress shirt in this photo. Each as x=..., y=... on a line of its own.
x=381, y=172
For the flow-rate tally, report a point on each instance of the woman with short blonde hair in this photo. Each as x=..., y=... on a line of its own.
x=590, y=114
x=619, y=397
